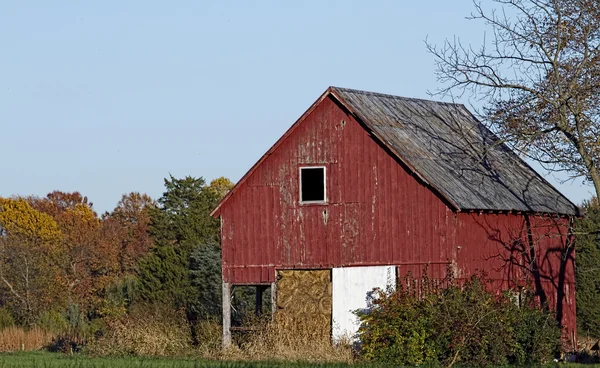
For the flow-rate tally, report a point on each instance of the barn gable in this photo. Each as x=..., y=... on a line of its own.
x=372, y=204
x=449, y=150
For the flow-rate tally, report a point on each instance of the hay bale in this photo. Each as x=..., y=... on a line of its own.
x=303, y=298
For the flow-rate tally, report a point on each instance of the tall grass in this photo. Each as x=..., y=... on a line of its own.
x=15, y=338
x=146, y=332
x=279, y=341
x=160, y=335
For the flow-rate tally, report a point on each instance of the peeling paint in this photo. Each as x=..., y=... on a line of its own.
x=377, y=213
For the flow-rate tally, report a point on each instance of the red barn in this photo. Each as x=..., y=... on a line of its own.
x=365, y=180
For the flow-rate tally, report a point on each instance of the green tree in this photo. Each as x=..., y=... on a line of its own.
x=205, y=270
x=588, y=270
x=180, y=226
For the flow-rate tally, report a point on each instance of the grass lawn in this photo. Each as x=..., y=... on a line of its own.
x=57, y=360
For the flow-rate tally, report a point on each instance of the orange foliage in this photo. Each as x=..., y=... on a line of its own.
x=127, y=228
x=88, y=263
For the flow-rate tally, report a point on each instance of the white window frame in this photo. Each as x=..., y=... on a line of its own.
x=324, y=184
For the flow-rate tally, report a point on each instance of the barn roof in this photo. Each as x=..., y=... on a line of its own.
x=448, y=149
x=452, y=151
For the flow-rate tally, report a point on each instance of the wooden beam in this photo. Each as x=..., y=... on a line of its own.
x=226, y=315
x=273, y=299
x=259, y=299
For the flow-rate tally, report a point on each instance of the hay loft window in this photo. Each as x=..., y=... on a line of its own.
x=312, y=184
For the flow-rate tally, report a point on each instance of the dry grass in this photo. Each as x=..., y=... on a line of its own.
x=151, y=334
x=278, y=341
x=209, y=335
x=17, y=338
x=146, y=333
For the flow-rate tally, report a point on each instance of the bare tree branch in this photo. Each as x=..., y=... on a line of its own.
x=539, y=77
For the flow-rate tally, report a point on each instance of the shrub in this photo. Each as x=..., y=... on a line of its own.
x=118, y=297
x=537, y=337
x=53, y=321
x=397, y=330
x=455, y=324
x=6, y=319
x=71, y=327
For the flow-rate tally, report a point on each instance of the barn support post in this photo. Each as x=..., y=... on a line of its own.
x=259, y=299
x=226, y=315
x=273, y=299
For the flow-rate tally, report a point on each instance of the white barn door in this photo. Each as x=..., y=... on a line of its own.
x=351, y=286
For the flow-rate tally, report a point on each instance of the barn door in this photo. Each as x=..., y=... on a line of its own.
x=304, y=301
x=352, y=287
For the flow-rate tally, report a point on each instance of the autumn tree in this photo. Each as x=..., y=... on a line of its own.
x=538, y=76
x=57, y=202
x=88, y=264
x=30, y=247
x=128, y=226
x=221, y=186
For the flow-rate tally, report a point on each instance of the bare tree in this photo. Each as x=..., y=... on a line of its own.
x=539, y=79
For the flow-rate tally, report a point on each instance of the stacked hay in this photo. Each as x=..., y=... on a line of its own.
x=304, y=302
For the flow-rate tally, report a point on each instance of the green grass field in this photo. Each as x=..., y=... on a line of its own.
x=57, y=360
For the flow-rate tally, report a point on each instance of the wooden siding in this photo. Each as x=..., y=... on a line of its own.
x=265, y=227
x=377, y=213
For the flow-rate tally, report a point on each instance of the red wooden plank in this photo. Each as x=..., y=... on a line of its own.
x=377, y=214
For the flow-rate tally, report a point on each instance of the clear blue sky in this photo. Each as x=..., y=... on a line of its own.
x=109, y=97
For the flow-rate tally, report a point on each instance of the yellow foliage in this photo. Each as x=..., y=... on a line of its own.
x=221, y=186
x=19, y=218
x=84, y=212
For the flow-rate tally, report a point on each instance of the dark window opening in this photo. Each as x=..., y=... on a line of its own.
x=312, y=184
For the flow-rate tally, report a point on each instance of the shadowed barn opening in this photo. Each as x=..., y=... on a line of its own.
x=367, y=187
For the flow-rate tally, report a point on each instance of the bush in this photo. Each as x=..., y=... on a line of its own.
x=537, y=336
x=118, y=296
x=6, y=319
x=397, y=330
x=451, y=324
x=53, y=321
x=71, y=327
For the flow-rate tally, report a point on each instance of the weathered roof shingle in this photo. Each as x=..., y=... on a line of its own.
x=454, y=153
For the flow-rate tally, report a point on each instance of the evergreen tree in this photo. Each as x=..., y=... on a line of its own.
x=180, y=226
x=588, y=271
x=205, y=269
